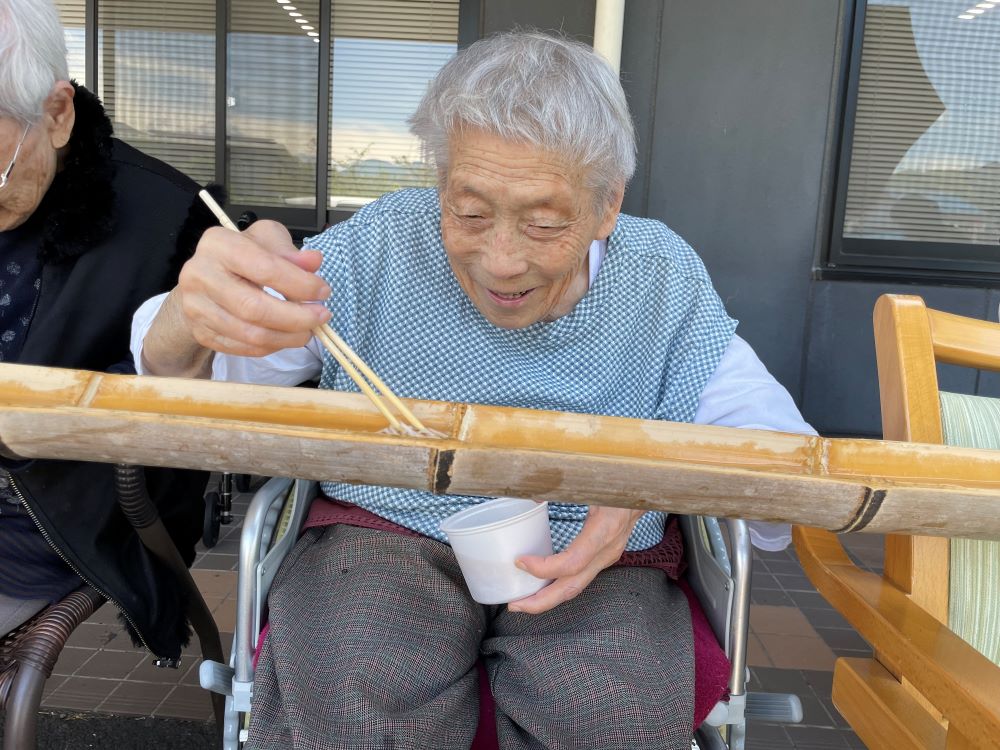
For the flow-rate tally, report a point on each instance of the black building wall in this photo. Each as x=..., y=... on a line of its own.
x=736, y=106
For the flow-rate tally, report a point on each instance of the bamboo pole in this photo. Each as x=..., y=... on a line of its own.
x=835, y=484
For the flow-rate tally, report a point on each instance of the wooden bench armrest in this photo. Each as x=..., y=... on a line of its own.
x=882, y=712
x=955, y=678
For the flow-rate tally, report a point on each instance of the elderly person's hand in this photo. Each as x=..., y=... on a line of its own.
x=220, y=303
x=598, y=545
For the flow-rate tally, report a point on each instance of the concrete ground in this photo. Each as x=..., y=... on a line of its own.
x=93, y=731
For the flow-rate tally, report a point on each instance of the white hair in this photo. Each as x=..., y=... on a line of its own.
x=32, y=57
x=536, y=88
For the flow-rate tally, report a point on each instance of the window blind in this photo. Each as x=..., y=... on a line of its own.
x=272, y=101
x=418, y=20
x=156, y=75
x=73, y=14
x=383, y=56
x=925, y=156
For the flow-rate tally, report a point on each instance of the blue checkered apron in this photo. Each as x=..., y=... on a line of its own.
x=642, y=343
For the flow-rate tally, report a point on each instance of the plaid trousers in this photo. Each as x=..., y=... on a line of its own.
x=374, y=640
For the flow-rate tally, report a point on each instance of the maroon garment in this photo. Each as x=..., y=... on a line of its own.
x=668, y=555
x=711, y=665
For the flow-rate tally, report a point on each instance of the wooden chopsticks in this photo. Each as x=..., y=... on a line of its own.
x=353, y=365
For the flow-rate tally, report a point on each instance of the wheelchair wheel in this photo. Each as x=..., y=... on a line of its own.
x=213, y=519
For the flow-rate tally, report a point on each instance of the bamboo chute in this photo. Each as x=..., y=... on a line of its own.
x=836, y=484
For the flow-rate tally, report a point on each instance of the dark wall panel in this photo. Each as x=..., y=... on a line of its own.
x=639, y=72
x=740, y=121
x=989, y=383
x=841, y=380
x=573, y=18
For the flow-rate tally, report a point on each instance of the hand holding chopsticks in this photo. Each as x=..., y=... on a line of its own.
x=363, y=376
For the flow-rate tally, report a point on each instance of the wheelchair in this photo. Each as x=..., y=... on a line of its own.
x=718, y=574
x=219, y=505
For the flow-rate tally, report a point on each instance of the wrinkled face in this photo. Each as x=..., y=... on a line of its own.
x=31, y=176
x=38, y=159
x=517, y=223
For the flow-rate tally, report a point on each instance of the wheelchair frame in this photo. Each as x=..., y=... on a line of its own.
x=719, y=576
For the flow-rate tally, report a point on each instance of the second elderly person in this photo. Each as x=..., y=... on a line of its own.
x=89, y=228
x=516, y=282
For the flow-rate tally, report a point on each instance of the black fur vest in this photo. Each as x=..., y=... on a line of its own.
x=78, y=208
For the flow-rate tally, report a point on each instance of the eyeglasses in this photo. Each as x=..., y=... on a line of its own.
x=5, y=175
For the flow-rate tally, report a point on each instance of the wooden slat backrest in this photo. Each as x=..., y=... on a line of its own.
x=908, y=390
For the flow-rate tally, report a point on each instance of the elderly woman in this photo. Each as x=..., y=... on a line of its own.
x=516, y=282
x=89, y=228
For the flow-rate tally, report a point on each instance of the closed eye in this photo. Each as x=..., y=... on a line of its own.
x=543, y=231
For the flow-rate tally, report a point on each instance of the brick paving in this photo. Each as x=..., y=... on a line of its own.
x=101, y=671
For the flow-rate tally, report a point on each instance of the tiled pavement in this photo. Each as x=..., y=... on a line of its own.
x=100, y=670
x=795, y=638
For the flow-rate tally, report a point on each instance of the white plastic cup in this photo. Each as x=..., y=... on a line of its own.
x=489, y=537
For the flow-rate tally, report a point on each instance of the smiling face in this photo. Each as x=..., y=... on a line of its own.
x=517, y=223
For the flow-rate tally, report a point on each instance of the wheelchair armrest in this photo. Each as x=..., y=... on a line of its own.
x=709, y=575
x=739, y=627
x=262, y=513
x=721, y=581
x=283, y=525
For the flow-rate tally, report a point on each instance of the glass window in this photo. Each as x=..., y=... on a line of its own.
x=383, y=56
x=272, y=102
x=73, y=14
x=924, y=162
x=156, y=75
x=315, y=93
